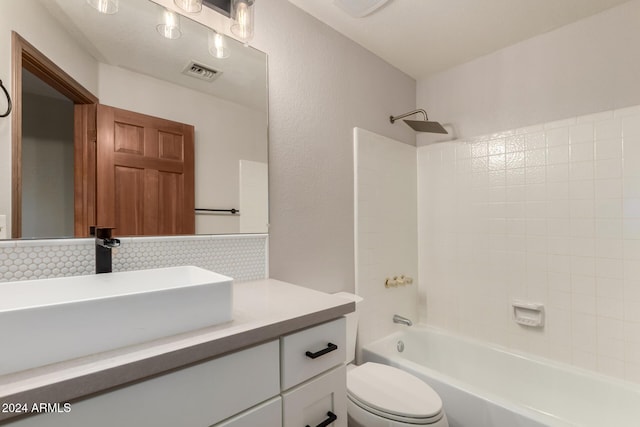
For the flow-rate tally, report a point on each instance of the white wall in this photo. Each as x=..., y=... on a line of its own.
x=582, y=68
x=32, y=22
x=254, y=196
x=321, y=85
x=547, y=214
x=385, y=232
x=225, y=132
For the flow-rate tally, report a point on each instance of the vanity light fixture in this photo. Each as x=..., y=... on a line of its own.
x=218, y=45
x=169, y=25
x=191, y=6
x=242, y=16
x=108, y=7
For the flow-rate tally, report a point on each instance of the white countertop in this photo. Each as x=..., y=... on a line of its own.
x=262, y=310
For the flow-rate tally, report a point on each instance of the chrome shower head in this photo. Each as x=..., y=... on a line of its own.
x=420, y=125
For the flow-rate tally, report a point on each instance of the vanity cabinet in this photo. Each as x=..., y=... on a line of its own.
x=317, y=401
x=294, y=381
x=314, y=379
x=197, y=396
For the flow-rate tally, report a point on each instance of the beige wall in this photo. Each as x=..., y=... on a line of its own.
x=321, y=85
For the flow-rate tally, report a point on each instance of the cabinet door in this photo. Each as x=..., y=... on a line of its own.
x=197, y=396
x=268, y=414
x=312, y=402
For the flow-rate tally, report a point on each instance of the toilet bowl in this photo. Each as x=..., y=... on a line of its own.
x=383, y=396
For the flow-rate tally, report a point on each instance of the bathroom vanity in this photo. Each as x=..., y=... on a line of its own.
x=279, y=362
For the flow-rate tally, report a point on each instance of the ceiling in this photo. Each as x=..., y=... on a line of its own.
x=424, y=37
x=129, y=39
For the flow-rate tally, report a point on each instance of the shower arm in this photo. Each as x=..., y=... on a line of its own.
x=392, y=119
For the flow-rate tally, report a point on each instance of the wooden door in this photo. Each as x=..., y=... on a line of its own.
x=145, y=174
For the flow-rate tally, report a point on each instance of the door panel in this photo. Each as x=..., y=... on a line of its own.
x=170, y=146
x=145, y=179
x=170, y=212
x=129, y=185
x=129, y=139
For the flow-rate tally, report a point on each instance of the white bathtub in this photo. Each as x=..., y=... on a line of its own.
x=485, y=386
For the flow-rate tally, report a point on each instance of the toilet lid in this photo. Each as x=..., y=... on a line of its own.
x=393, y=391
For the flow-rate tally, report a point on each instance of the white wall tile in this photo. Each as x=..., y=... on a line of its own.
x=581, y=152
x=608, y=129
x=386, y=172
x=608, y=149
x=568, y=215
x=581, y=133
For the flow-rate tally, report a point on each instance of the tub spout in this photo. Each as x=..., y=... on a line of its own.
x=401, y=320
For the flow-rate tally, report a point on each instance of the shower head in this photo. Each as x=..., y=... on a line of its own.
x=420, y=125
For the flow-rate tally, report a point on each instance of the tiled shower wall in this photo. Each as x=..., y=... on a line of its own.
x=548, y=214
x=242, y=257
x=385, y=232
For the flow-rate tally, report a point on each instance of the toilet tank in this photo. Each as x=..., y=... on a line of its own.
x=352, y=325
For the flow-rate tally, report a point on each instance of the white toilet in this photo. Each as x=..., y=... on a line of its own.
x=384, y=396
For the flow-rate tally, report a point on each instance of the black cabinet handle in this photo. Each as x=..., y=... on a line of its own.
x=330, y=347
x=325, y=423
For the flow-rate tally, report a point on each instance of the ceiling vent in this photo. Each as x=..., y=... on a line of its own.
x=201, y=72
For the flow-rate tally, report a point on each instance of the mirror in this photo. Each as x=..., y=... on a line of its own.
x=138, y=69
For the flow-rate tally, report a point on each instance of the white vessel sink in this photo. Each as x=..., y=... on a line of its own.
x=51, y=320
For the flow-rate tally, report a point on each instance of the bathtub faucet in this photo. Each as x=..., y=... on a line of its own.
x=401, y=320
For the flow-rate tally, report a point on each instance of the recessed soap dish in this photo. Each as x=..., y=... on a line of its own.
x=528, y=313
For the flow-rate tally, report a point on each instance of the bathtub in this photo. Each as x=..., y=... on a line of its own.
x=487, y=386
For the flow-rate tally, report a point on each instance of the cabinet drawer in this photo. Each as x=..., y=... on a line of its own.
x=312, y=351
x=197, y=396
x=268, y=414
x=313, y=402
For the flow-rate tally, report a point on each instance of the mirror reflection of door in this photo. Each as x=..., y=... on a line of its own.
x=145, y=174
x=44, y=140
x=77, y=163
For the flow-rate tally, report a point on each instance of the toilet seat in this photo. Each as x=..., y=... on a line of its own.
x=393, y=394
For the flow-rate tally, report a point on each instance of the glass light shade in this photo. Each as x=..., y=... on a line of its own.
x=242, y=15
x=169, y=25
x=108, y=7
x=191, y=6
x=218, y=45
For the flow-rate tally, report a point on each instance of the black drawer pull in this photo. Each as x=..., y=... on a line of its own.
x=329, y=349
x=325, y=423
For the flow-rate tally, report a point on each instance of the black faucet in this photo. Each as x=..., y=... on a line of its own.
x=104, y=243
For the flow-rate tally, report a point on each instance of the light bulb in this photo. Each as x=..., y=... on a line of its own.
x=108, y=7
x=218, y=45
x=191, y=6
x=242, y=14
x=169, y=25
